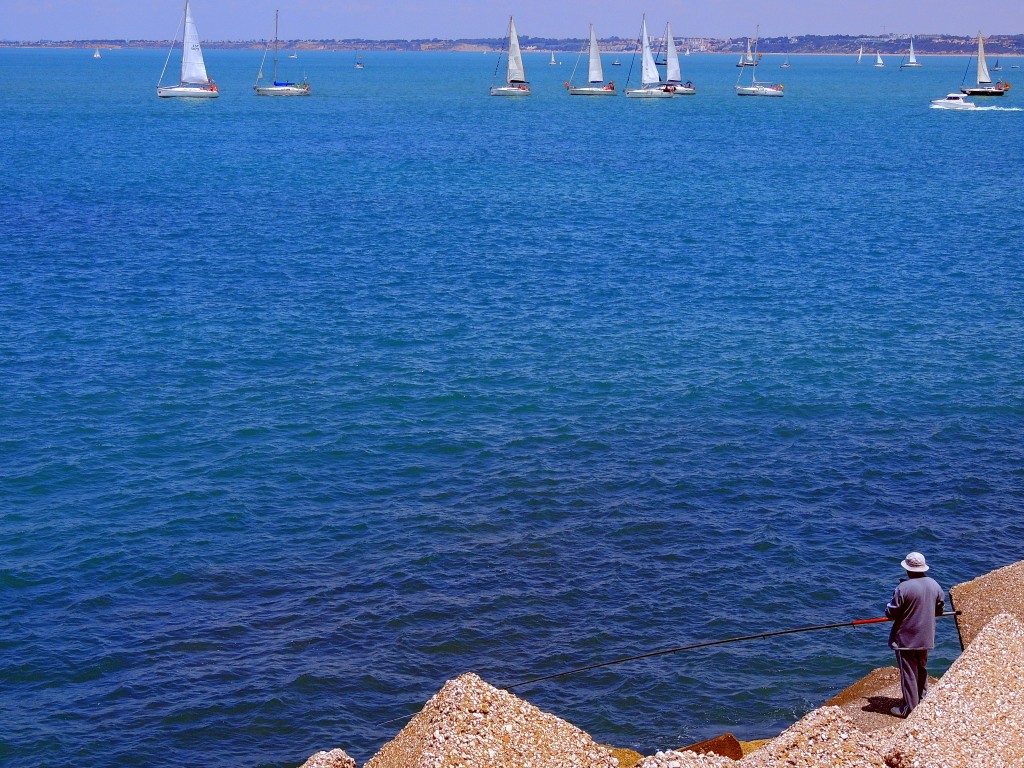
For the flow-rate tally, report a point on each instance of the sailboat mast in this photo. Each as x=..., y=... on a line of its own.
x=184, y=32
x=276, y=13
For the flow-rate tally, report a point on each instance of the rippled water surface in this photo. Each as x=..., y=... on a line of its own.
x=309, y=405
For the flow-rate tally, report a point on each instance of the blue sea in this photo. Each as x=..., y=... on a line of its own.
x=310, y=405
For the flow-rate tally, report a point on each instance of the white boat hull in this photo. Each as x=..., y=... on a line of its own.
x=759, y=90
x=650, y=93
x=592, y=91
x=187, y=91
x=511, y=90
x=915, y=65
x=281, y=90
x=683, y=90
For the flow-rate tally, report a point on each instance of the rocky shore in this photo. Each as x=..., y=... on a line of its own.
x=973, y=717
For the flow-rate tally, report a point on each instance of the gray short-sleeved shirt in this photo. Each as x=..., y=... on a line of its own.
x=913, y=608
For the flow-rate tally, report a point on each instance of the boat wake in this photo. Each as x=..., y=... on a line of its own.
x=998, y=109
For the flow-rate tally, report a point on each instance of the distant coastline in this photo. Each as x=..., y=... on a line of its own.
x=928, y=44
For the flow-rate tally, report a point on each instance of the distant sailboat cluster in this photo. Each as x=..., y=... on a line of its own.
x=194, y=81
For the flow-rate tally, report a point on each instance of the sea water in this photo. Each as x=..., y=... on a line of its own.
x=309, y=405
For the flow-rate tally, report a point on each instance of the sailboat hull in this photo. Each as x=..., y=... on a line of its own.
x=915, y=65
x=650, y=93
x=281, y=90
x=984, y=91
x=186, y=91
x=592, y=91
x=760, y=90
x=683, y=90
x=511, y=90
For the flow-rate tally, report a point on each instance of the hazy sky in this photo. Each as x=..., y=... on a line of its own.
x=253, y=19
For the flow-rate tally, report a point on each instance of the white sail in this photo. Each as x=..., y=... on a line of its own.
x=984, y=78
x=649, y=71
x=860, y=54
x=515, y=73
x=912, y=59
x=596, y=72
x=672, y=72
x=878, y=59
x=193, y=69
x=748, y=59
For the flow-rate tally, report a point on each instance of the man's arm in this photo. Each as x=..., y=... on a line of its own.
x=895, y=606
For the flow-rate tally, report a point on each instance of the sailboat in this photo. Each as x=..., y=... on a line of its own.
x=878, y=60
x=860, y=54
x=673, y=76
x=96, y=55
x=279, y=87
x=749, y=60
x=758, y=87
x=985, y=86
x=194, y=82
x=785, y=64
x=911, y=61
x=595, y=74
x=651, y=86
x=553, y=62
x=995, y=67
x=515, y=75
x=687, y=52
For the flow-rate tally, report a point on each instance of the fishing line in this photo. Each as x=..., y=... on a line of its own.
x=677, y=649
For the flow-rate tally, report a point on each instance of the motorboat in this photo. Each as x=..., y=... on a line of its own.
x=953, y=101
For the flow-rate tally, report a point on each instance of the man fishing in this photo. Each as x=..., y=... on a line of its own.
x=916, y=602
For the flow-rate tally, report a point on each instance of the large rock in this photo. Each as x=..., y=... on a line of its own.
x=824, y=737
x=979, y=600
x=682, y=759
x=336, y=758
x=470, y=724
x=974, y=715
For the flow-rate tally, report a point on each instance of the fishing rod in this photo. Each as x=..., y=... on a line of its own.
x=666, y=651
x=694, y=646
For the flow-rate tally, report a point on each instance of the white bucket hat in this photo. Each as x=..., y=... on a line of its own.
x=914, y=562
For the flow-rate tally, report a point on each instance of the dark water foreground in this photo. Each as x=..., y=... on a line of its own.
x=309, y=406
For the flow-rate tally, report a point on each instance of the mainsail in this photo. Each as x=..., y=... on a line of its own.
x=672, y=72
x=912, y=59
x=984, y=78
x=193, y=69
x=515, y=73
x=596, y=73
x=649, y=71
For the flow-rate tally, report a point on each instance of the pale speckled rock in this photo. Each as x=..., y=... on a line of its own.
x=824, y=737
x=470, y=724
x=981, y=599
x=974, y=715
x=674, y=759
x=336, y=758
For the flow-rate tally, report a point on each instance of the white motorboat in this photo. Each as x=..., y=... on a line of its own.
x=515, y=74
x=359, y=61
x=984, y=86
x=911, y=62
x=758, y=87
x=595, y=74
x=278, y=87
x=651, y=86
x=878, y=59
x=194, y=81
x=616, y=63
x=673, y=75
x=954, y=101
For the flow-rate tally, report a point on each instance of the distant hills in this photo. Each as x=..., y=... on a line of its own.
x=827, y=44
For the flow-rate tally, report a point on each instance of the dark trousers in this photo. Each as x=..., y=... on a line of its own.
x=913, y=676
